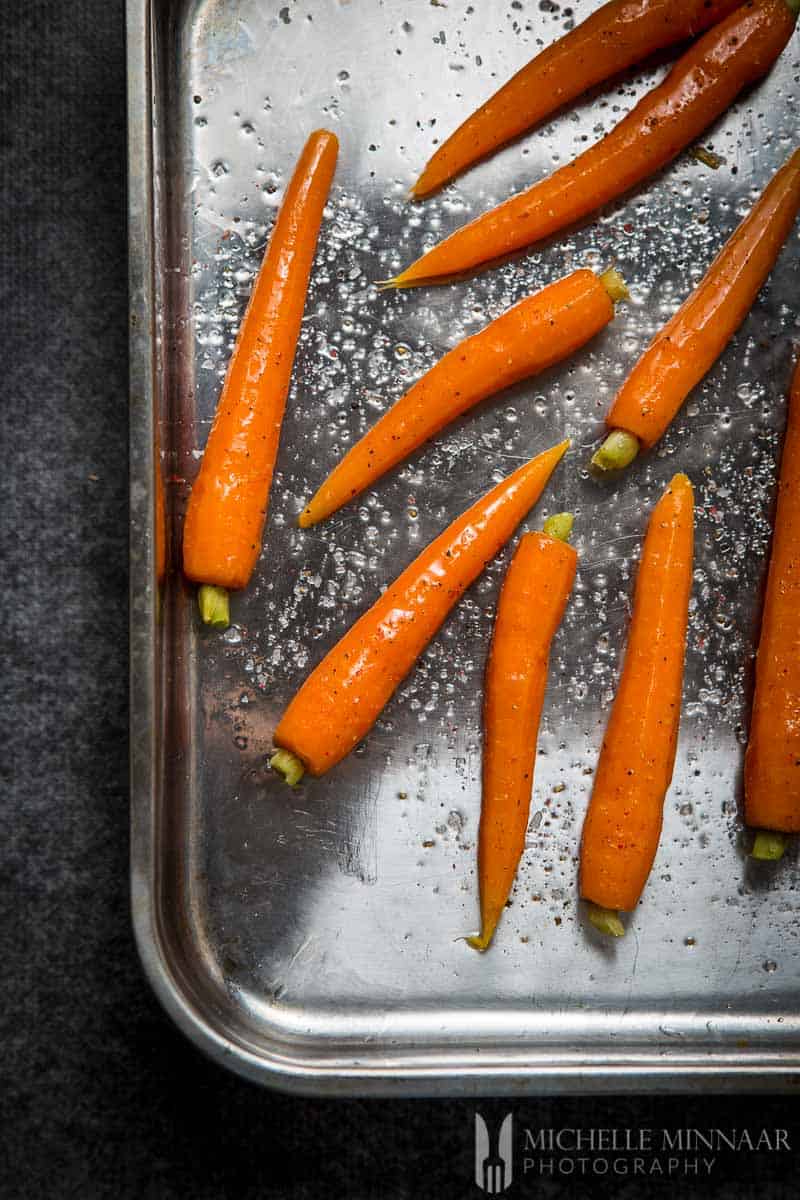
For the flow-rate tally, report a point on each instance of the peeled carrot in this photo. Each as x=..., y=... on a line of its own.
x=701, y=85
x=619, y=34
x=688, y=345
x=529, y=611
x=534, y=334
x=772, y=762
x=342, y=698
x=228, y=504
x=623, y=823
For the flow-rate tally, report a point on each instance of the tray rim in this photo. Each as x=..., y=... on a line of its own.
x=439, y=1071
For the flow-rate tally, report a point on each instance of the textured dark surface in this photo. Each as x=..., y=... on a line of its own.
x=100, y=1096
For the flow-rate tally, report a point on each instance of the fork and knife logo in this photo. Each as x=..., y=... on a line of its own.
x=494, y=1157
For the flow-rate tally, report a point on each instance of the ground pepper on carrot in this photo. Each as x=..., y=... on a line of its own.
x=535, y=333
x=228, y=504
x=623, y=822
x=698, y=89
x=529, y=611
x=343, y=697
x=772, y=761
x=689, y=344
x=616, y=36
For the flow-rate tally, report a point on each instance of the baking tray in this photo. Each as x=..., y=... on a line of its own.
x=312, y=939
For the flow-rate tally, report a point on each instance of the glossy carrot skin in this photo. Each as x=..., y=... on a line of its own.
x=228, y=504
x=623, y=823
x=618, y=35
x=772, y=762
x=534, y=334
x=689, y=344
x=343, y=697
x=701, y=85
x=529, y=611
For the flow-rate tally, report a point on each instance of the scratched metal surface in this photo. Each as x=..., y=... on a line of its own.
x=313, y=938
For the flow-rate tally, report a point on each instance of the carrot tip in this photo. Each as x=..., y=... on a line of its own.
x=288, y=765
x=605, y=920
x=679, y=481
x=768, y=846
x=404, y=281
x=423, y=186
x=617, y=452
x=480, y=941
x=214, y=606
x=305, y=519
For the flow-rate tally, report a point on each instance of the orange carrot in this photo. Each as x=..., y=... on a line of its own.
x=772, y=762
x=697, y=90
x=534, y=334
x=619, y=34
x=529, y=611
x=688, y=345
x=228, y=504
x=341, y=700
x=623, y=824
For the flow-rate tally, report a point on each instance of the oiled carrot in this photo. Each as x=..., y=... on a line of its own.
x=623, y=823
x=534, y=334
x=228, y=504
x=343, y=697
x=688, y=345
x=772, y=762
x=529, y=611
x=614, y=37
x=700, y=86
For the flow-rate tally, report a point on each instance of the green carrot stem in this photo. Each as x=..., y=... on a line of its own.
x=708, y=157
x=768, y=846
x=288, y=765
x=559, y=526
x=614, y=284
x=214, y=607
x=605, y=920
x=617, y=451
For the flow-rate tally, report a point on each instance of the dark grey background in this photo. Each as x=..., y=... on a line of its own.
x=100, y=1096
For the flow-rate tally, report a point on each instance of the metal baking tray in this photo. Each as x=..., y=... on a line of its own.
x=312, y=939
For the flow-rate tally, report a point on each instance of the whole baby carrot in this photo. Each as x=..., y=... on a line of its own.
x=700, y=86
x=688, y=345
x=614, y=37
x=342, y=698
x=228, y=504
x=772, y=762
x=534, y=334
x=529, y=611
x=623, y=823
